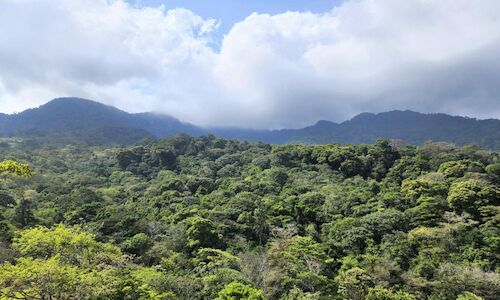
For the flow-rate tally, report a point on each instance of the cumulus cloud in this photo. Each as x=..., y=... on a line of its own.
x=271, y=71
x=106, y=50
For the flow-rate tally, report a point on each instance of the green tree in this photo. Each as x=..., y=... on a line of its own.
x=73, y=245
x=468, y=296
x=23, y=215
x=138, y=244
x=40, y=279
x=13, y=167
x=472, y=194
x=494, y=170
x=459, y=168
x=239, y=291
x=298, y=294
x=201, y=233
x=67, y=263
x=304, y=262
x=354, y=284
x=381, y=293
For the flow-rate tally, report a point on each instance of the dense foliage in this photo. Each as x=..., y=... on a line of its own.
x=208, y=218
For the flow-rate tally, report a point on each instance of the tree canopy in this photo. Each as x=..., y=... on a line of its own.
x=209, y=218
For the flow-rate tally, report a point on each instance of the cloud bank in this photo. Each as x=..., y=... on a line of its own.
x=271, y=71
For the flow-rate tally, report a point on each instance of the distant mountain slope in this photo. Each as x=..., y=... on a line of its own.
x=411, y=127
x=79, y=120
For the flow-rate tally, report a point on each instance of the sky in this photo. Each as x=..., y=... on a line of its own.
x=255, y=64
x=229, y=12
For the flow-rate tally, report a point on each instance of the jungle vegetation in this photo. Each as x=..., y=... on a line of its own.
x=209, y=218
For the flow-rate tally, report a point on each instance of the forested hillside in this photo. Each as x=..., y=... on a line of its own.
x=81, y=121
x=208, y=218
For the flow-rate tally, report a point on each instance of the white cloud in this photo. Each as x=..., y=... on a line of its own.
x=283, y=70
x=106, y=50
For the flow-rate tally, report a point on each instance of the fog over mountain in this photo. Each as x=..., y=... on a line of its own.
x=282, y=69
x=76, y=120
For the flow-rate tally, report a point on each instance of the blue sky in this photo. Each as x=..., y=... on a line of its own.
x=229, y=12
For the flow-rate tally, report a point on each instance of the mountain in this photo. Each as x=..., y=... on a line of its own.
x=76, y=119
x=72, y=120
x=411, y=127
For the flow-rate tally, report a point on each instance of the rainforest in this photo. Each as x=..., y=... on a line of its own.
x=209, y=218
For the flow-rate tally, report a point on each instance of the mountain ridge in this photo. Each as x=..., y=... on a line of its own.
x=75, y=117
x=61, y=115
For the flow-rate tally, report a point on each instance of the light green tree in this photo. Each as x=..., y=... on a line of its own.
x=354, y=284
x=381, y=293
x=239, y=291
x=13, y=167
